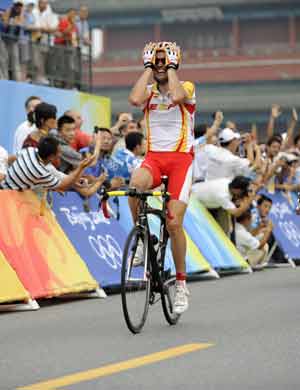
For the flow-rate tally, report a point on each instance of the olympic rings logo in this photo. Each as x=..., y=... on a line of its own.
x=107, y=249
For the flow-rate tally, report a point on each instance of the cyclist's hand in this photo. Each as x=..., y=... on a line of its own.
x=149, y=55
x=173, y=56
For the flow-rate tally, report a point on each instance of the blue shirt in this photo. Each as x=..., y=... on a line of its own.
x=108, y=164
x=129, y=162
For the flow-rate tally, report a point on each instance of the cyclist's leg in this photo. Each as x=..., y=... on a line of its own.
x=180, y=181
x=141, y=179
x=177, y=210
x=144, y=178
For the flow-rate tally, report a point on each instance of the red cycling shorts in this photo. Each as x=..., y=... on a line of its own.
x=177, y=166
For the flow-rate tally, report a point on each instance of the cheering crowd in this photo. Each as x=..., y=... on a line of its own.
x=232, y=172
x=38, y=46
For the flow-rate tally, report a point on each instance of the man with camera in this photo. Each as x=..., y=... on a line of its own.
x=169, y=107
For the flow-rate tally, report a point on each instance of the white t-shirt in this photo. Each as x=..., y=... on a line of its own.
x=221, y=163
x=200, y=160
x=21, y=133
x=245, y=241
x=46, y=19
x=3, y=161
x=214, y=194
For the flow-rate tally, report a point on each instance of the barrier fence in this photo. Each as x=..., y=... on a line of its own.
x=68, y=250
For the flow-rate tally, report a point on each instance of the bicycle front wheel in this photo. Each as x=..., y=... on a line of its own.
x=135, y=280
x=167, y=297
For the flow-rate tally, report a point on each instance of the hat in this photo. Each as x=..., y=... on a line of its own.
x=18, y=2
x=288, y=157
x=227, y=135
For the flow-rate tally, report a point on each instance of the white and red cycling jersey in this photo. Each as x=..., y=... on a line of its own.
x=170, y=138
x=169, y=126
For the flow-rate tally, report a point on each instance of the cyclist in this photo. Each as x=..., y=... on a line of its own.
x=169, y=107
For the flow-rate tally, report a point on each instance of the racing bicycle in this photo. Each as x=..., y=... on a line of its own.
x=145, y=276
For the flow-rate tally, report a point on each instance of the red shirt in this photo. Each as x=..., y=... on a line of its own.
x=69, y=37
x=81, y=140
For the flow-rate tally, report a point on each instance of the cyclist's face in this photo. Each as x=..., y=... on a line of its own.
x=160, y=70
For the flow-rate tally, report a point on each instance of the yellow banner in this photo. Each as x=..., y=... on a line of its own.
x=37, y=248
x=11, y=289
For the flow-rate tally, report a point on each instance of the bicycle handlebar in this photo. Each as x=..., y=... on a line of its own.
x=133, y=192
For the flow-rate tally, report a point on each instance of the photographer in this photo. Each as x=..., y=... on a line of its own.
x=226, y=198
x=223, y=161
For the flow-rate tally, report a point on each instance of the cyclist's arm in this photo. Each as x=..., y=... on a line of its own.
x=139, y=93
x=178, y=92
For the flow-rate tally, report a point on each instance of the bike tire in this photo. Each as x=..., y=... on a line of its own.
x=135, y=282
x=167, y=297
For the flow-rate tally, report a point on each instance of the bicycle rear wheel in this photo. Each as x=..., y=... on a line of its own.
x=167, y=297
x=135, y=280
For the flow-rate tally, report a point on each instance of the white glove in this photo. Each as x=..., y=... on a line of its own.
x=149, y=55
x=173, y=56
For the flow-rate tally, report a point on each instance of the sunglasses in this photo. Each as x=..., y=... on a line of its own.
x=160, y=60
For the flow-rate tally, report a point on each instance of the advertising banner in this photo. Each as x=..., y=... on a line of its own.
x=38, y=250
x=286, y=224
x=11, y=289
x=98, y=240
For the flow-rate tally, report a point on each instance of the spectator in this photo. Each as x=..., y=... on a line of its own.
x=259, y=222
x=66, y=36
x=83, y=30
x=3, y=59
x=287, y=174
x=204, y=135
x=225, y=198
x=129, y=127
x=222, y=162
x=131, y=155
x=65, y=134
x=13, y=20
x=44, y=118
x=81, y=139
x=253, y=249
x=33, y=169
x=122, y=119
x=273, y=164
x=275, y=113
x=46, y=23
x=27, y=127
x=25, y=41
x=106, y=162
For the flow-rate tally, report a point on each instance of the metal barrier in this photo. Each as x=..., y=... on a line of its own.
x=61, y=66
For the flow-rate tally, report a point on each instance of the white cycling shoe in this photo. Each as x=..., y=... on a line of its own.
x=181, y=302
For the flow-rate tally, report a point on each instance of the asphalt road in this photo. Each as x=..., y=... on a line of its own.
x=252, y=322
